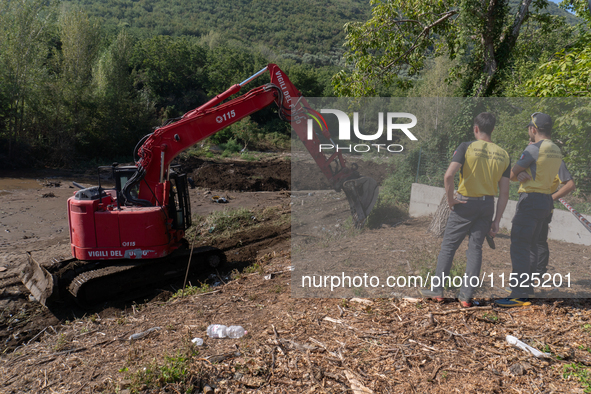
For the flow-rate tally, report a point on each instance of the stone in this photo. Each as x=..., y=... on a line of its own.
x=517, y=369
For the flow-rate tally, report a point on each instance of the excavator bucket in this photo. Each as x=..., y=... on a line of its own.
x=38, y=280
x=362, y=194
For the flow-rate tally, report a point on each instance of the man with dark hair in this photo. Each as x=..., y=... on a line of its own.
x=484, y=170
x=541, y=161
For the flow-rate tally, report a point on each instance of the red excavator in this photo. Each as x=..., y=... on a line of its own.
x=121, y=238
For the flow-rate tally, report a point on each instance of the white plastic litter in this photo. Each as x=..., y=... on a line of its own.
x=142, y=334
x=221, y=331
x=197, y=341
x=511, y=340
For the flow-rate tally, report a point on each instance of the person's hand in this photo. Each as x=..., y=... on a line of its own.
x=453, y=202
x=494, y=229
x=523, y=177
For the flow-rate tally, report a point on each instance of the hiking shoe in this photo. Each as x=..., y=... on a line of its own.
x=512, y=302
x=465, y=304
x=436, y=296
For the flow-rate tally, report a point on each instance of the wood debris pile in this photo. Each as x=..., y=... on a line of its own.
x=308, y=345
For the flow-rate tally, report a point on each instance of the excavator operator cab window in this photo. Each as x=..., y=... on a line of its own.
x=122, y=175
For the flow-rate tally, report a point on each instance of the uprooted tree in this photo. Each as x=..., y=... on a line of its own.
x=437, y=225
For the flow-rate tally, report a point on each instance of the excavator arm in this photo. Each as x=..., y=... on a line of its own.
x=167, y=142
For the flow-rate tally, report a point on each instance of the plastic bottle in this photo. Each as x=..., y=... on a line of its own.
x=517, y=343
x=221, y=331
x=216, y=331
x=236, y=332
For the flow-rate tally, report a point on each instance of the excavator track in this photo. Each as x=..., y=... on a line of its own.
x=130, y=279
x=91, y=283
x=85, y=286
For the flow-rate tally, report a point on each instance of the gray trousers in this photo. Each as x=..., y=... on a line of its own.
x=540, y=252
x=473, y=218
x=533, y=210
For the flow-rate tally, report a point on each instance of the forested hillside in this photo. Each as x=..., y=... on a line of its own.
x=84, y=80
x=307, y=30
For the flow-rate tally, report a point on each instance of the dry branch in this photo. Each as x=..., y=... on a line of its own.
x=471, y=309
x=356, y=385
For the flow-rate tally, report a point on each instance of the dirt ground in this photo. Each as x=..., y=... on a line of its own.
x=274, y=174
x=325, y=243
x=396, y=344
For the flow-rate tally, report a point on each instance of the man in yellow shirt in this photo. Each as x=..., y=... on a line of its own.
x=484, y=171
x=540, y=254
x=541, y=161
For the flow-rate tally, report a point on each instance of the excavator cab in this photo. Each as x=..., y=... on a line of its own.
x=179, y=205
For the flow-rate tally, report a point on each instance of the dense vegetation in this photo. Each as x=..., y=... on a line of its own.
x=85, y=80
x=305, y=30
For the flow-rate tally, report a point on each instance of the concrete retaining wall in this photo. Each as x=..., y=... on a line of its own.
x=424, y=200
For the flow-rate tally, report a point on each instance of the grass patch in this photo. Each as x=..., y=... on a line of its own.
x=227, y=223
x=328, y=238
x=192, y=290
x=386, y=210
x=578, y=372
x=457, y=270
x=254, y=268
x=492, y=317
x=61, y=344
x=175, y=372
x=277, y=289
x=232, y=146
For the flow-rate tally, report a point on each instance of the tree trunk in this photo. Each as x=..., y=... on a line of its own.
x=437, y=226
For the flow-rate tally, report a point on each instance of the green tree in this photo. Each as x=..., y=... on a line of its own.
x=171, y=71
x=228, y=65
x=395, y=42
x=25, y=31
x=124, y=114
x=80, y=43
x=579, y=7
x=568, y=74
